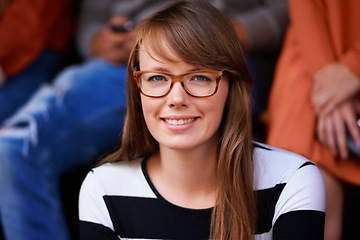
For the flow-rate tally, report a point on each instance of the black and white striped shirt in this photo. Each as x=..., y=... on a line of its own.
x=119, y=201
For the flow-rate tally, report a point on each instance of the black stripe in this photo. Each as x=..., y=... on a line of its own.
x=137, y=217
x=256, y=145
x=302, y=224
x=306, y=164
x=266, y=202
x=94, y=231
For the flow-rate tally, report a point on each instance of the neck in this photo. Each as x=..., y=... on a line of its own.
x=185, y=178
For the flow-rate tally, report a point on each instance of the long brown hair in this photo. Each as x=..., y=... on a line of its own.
x=202, y=35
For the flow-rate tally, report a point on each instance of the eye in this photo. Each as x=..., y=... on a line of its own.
x=201, y=78
x=157, y=78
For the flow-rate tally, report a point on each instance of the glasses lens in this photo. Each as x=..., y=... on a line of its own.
x=155, y=84
x=200, y=83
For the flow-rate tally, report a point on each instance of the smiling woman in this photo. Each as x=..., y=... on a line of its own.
x=187, y=167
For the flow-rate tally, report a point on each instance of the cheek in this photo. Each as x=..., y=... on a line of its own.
x=217, y=113
x=151, y=109
x=213, y=110
x=146, y=108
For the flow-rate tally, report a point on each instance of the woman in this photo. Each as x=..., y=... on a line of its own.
x=313, y=96
x=187, y=167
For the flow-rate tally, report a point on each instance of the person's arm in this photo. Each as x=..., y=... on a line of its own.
x=309, y=23
x=25, y=27
x=335, y=79
x=310, y=28
x=308, y=19
x=95, y=222
x=339, y=80
x=300, y=210
x=263, y=27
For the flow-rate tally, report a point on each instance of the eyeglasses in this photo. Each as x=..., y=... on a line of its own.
x=196, y=84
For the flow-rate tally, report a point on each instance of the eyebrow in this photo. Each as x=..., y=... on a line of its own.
x=161, y=69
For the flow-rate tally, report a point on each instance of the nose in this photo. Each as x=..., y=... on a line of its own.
x=177, y=96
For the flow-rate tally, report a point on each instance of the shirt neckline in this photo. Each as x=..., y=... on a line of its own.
x=166, y=202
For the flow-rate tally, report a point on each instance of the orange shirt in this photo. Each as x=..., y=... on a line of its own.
x=27, y=27
x=327, y=31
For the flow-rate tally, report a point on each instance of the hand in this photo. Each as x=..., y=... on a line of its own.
x=111, y=45
x=333, y=84
x=331, y=129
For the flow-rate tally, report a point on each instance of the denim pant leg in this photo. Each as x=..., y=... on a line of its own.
x=18, y=89
x=64, y=125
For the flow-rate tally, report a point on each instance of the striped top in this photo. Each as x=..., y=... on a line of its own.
x=119, y=201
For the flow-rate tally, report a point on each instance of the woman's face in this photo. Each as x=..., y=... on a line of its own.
x=179, y=121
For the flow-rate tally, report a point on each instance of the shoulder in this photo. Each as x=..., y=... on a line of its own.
x=117, y=170
x=124, y=178
x=288, y=186
x=119, y=178
x=273, y=165
x=264, y=152
x=297, y=180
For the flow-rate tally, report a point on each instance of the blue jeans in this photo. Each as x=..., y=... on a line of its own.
x=64, y=125
x=18, y=89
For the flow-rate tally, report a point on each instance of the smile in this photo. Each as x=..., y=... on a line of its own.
x=179, y=121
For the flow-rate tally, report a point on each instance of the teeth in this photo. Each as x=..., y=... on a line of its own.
x=179, y=121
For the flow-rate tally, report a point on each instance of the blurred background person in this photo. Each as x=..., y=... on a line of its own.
x=64, y=124
x=314, y=96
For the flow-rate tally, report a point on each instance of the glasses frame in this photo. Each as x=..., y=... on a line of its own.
x=178, y=78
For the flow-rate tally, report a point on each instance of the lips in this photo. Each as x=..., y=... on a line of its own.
x=179, y=121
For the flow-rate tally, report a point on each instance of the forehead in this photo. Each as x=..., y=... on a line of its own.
x=156, y=63
x=165, y=59
x=159, y=51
